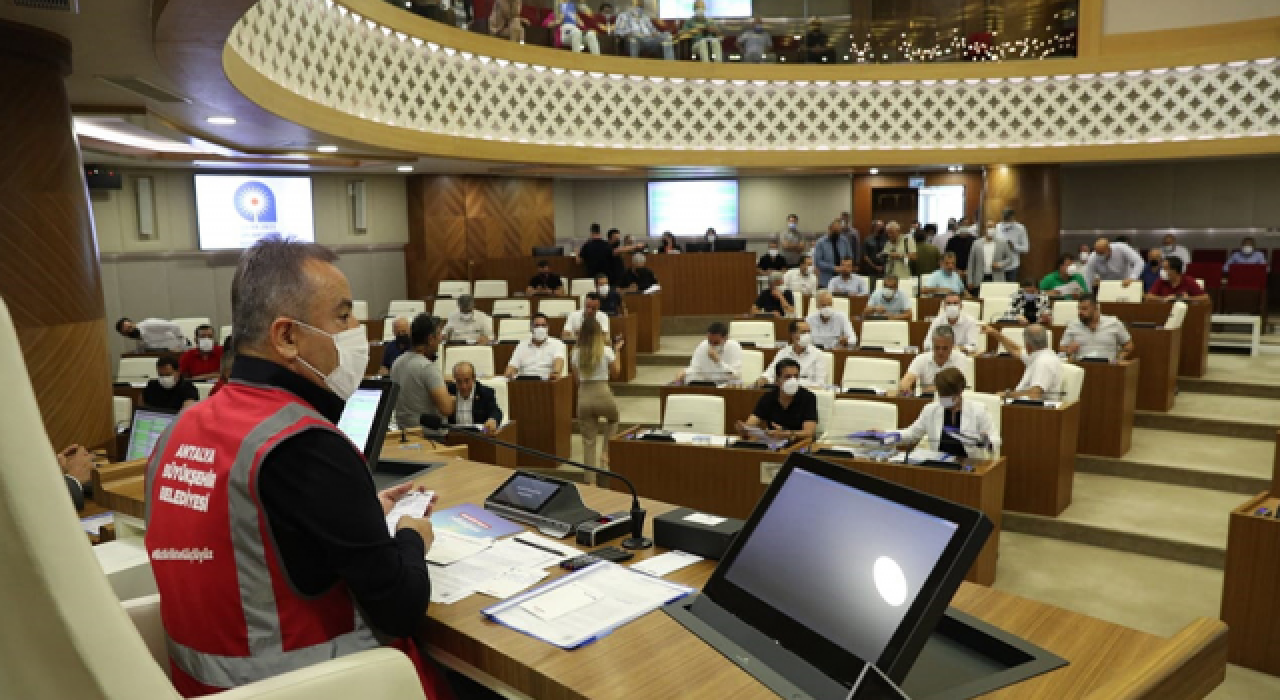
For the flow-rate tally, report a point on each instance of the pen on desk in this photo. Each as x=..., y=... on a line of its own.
x=538, y=546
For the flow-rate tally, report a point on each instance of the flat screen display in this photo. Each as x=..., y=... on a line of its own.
x=359, y=416
x=526, y=493
x=148, y=425
x=680, y=9
x=235, y=211
x=690, y=207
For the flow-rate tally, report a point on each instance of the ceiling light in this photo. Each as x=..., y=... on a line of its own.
x=327, y=148
x=124, y=133
x=221, y=121
x=874, y=171
x=404, y=168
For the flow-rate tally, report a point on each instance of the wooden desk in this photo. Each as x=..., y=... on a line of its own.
x=647, y=309
x=129, y=391
x=1159, y=351
x=483, y=451
x=545, y=413
x=1250, y=596
x=1193, y=351
x=655, y=657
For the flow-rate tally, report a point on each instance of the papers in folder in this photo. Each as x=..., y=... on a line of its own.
x=582, y=607
x=499, y=569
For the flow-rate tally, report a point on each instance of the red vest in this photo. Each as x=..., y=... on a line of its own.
x=230, y=615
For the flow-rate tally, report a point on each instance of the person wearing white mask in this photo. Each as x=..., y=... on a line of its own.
x=789, y=411
x=813, y=364
x=772, y=259
x=964, y=327
x=889, y=301
x=610, y=299
x=989, y=259
x=591, y=308
x=1043, y=377
x=952, y=425
x=716, y=359
x=831, y=328
x=169, y=390
x=1065, y=281
x=1170, y=249
x=801, y=280
x=925, y=367
x=945, y=279
x=1247, y=255
x=793, y=243
x=204, y=361
x=1113, y=261
x=422, y=387
x=845, y=283
x=1015, y=234
x=468, y=324
x=539, y=355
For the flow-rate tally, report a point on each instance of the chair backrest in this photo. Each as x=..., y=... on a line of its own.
x=1072, y=381
x=850, y=416
x=798, y=311
x=1208, y=274
x=1247, y=276
x=189, y=326
x=1114, y=290
x=994, y=405
x=121, y=411
x=758, y=332
x=580, y=286
x=406, y=308
x=995, y=290
x=694, y=413
x=360, y=309
x=906, y=285
x=1065, y=311
x=453, y=288
x=557, y=307
x=443, y=307
x=830, y=359
x=1177, y=315
x=972, y=309
x=136, y=369
x=840, y=304
x=826, y=406
x=499, y=386
x=885, y=333
x=967, y=368
x=479, y=355
x=388, y=332
x=491, y=289
x=203, y=389
x=514, y=329
x=224, y=332
x=870, y=373
x=752, y=365
x=912, y=306
x=515, y=308
x=58, y=604
x=994, y=309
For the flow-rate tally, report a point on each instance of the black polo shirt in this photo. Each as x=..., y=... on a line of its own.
x=641, y=277
x=767, y=302
x=803, y=408
x=157, y=396
x=597, y=256
x=550, y=280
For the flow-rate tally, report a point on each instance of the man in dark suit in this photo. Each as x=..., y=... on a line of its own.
x=77, y=470
x=476, y=403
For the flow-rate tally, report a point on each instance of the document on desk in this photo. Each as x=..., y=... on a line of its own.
x=669, y=562
x=449, y=547
x=499, y=569
x=579, y=608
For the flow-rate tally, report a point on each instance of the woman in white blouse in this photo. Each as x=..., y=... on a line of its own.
x=593, y=360
x=952, y=425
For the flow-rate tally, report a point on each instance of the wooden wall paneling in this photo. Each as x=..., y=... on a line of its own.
x=863, y=185
x=1034, y=193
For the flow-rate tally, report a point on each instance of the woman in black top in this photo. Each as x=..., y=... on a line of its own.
x=669, y=244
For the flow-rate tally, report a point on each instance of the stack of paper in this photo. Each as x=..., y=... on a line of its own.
x=501, y=570
x=413, y=504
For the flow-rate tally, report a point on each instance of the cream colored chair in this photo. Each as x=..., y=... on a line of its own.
x=203, y=389
x=972, y=309
x=1065, y=311
x=694, y=413
x=758, y=332
x=453, y=288
x=1114, y=290
x=967, y=368
x=514, y=329
x=840, y=304
x=830, y=359
x=997, y=290
x=885, y=333
x=121, y=412
x=994, y=405
x=912, y=307
x=797, y=311
x=995, y=308
x=1177, y=315
x=852, y=416
x=870, y=373
x=360, y=309
x=557, y=308
x=444, y=307
x=826, y=406
x=752, y=365
x=481, y=356
x=1072, y=381
x=906, y=285
x=491, y=289
x=499, y=386
x=388, y=333
x=189, y=326
x=136, y=369
x=406, y=308
x=515, y=308
x=579, y=287
x=65, y=634
x=224, y=332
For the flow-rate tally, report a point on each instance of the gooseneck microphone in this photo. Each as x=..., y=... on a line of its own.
x=637, y=539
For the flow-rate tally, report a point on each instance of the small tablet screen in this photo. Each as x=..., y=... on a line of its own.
x=526, y=493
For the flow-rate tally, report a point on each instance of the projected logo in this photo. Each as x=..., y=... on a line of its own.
x=255, y=202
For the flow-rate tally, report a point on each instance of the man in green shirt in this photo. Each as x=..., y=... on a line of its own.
x=928, y=257
x=1057, y=283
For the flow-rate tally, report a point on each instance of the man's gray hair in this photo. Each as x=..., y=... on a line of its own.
x=270, y=282
x=464, y=364
x=1036, y=337
x=944, y=331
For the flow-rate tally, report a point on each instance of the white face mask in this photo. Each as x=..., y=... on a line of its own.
x=791, y=386
x=539, y=333
x=168, y=382
x=947, y=401
x=889, y=294
x=1084, y=257
x=792, y=225
x=467, y=315
x=953, y=311
x=353, y=357
x=825, y=313
x=1247, y=250
x=603, y=290
x=1164, y=274
x=804, y=340
x=205, y=344
x=1073, y=270
x=773, y=252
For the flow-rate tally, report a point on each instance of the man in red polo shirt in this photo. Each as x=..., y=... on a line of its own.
x=1173, y=285
x=204, y=361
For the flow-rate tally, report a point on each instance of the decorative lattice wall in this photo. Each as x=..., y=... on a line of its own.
x=323, y=52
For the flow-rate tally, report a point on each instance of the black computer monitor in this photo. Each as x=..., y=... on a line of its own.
x=147, y=427
x=543, y=251
x=366, y=416
x=731, y=245
x=697, y=247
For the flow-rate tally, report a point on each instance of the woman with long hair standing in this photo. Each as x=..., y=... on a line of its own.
x=594, y=360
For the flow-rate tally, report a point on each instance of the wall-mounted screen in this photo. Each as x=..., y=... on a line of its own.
x=680, y=9
x=690, y=207
x=234, y=211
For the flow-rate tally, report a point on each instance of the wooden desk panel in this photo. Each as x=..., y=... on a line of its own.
x=995, y=373
x=483, y=451
x=545, y=413
x=1159, y=351
x=648, y=311
x=1250, y=596
x=1193, y=351
x=705, y=283
x=1040, y=446
x=1107, y=402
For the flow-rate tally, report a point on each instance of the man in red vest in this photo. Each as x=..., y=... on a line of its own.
x=267, y=537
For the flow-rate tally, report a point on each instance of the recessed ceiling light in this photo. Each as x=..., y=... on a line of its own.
x=221, y=121
x=328, y=148
x=874, y=171
x=405, y=168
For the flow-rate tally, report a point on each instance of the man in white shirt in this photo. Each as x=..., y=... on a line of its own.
x=1095, y=335
x=538, y=355
x=889, y=302
x=801, y=280
x=926, y=366
x=1113, y=261
x=964, y=326
x=945, y=279
x=1015, y=234
x=153, y=334
x=716, y=359
x=830, y=328
x=813, y=364
x=1169, y=248
x=591, y=307
x=846, y=283
x=468, y=323
x=1043, y=376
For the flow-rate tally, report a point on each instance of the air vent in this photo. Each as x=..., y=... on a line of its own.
x=72, y=6
x=138, y=86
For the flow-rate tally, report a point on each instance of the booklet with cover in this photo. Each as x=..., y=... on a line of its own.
x=473, y=521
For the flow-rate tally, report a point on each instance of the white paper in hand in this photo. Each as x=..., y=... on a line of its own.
x=413, y=504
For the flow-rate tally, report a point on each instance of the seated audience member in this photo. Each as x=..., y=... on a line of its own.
x=830, y=328
x=1151, y=273
x=422, y=387
x=397, y=346
x=887, y=301
x=169, y=390
x=801, y=280
x=669, y=244
x=775, y=300
x=204, y=361
x=639, y=278
x=546, y=282
x=1169, y=248
x=925, y=367
x=816, y=46
x=224, y=372
x=950, y=424
x=1030, y=305
x=538, y=355
x=505, y=20
x=1095, y=335
x=153, y=334
x=1247, y=255
x=590, y=308
x=788, y=411
x=772, y=259
x=754, y=42
x=610, y=300
x=813, y=364
x=1173, y=285
x=571, y=29
x=468, y=323
x=474, y=403
x=718, y=358
x=1043, y=376
x=964, y=326
x=76, y=464
x=606, y=17
x=1066, y=281
x=704, y=34
x=845, y=283
x=945, y=279
x=1113, y=261
x=635, y=27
